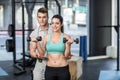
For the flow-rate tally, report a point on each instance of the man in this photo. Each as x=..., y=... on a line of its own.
x=42, y=30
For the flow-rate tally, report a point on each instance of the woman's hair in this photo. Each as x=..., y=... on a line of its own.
x=43, y=10
x=61, y=20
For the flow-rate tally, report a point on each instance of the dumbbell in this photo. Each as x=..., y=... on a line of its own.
x=39, y=38
x=44, y=58
x=76, y=40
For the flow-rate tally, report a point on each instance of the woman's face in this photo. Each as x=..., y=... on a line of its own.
x=56, y=25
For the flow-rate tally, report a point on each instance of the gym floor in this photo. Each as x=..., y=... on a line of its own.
x=91, y=69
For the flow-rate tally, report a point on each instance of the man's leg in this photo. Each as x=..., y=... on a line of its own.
x=39, y=70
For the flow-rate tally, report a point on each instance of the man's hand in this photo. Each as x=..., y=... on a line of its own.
x=33, y=39
x=68, y=56
x=39, y=56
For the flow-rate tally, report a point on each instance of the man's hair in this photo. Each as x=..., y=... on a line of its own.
x=43, y=10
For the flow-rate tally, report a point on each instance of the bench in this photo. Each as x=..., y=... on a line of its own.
x=75, y=67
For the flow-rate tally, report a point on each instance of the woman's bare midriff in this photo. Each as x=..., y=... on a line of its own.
x=56, y=60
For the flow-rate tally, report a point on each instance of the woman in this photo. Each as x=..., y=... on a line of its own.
x=58, y=52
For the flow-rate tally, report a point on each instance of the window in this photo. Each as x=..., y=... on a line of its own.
x=1, y=16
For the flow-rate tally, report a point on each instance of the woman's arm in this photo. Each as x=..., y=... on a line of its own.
x=67, y=53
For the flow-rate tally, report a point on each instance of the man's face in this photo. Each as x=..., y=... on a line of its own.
x=42, y=19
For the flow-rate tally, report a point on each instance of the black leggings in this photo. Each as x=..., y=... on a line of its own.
x=57, y=73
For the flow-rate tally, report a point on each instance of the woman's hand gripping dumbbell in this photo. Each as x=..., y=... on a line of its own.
x=39, y=38
x=75, y=40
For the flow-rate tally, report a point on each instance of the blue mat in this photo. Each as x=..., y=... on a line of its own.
x=2, y=72
x=109, y=75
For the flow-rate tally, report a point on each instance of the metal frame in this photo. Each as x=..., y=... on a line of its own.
x=118, y=35
x=59, y=7
x=22, y=69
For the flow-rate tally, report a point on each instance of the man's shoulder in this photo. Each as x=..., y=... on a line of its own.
x=34, y=32
x=49, y=29
x=36, y=28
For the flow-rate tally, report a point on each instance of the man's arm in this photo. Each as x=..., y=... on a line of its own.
x=42, y=48
x=33, y=49
x=33, y=46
